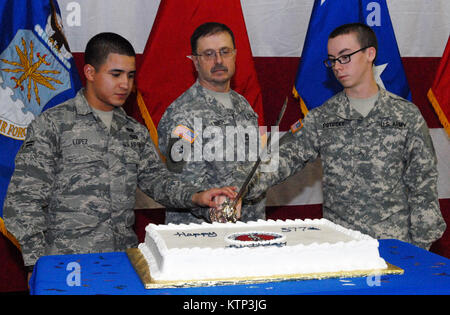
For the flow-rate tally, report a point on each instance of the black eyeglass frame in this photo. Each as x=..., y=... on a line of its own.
x=330, y=62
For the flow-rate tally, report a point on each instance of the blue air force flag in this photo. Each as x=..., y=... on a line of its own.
x=315, y=83
x=37, y=71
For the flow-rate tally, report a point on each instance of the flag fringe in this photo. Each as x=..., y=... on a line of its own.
x=303, y=107
x=149, y=122
x=437, y=107
x=8, y=235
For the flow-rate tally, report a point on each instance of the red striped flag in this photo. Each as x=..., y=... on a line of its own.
x=439, y=93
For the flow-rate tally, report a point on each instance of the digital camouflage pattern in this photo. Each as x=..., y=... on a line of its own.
x=379, y=172
x=206, y=166
x=74, y=185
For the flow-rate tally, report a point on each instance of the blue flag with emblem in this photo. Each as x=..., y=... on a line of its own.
x=37, y=71
x=315, y=83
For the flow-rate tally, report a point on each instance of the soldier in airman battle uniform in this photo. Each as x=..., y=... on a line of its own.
x=76, y=174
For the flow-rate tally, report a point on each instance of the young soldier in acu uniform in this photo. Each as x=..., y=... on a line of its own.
x=379, y=164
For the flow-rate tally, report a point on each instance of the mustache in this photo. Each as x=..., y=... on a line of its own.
x=219, y=67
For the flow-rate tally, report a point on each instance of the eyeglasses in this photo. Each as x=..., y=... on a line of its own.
x=330, y=62
x=211, y=54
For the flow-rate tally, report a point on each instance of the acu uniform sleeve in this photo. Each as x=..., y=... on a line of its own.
x=181, y=159
x=426, y=221
x=296, y=147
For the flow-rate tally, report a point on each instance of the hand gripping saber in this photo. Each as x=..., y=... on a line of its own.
x=230, y=209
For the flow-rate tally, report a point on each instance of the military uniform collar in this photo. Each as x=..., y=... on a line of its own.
x=211, y=100
x=343, y=109
x=83, y=108
x=81, y=103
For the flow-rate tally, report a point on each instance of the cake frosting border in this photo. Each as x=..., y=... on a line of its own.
x=280, y=239
x=160, y=249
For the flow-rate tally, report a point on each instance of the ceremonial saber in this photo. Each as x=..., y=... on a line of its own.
x=258, y=161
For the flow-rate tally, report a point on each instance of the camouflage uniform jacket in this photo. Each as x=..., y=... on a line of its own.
x=199, y=111
x=379, y=172
x=73, y=188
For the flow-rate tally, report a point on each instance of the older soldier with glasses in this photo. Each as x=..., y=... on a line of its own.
x=379, y=164
x=193, y=131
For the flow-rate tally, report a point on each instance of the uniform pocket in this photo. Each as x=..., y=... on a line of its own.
x=125, y=174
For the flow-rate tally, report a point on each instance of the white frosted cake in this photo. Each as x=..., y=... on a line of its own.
x=256, y=250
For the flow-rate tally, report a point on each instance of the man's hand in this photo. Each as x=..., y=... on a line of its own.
x=208, y=198
x=221, y=213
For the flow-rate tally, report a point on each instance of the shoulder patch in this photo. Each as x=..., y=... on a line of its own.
x=184, y=133
x=296, y=126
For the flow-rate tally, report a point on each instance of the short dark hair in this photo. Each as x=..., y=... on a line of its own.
x=209, y=28
x=364, y=34
x=101, y=45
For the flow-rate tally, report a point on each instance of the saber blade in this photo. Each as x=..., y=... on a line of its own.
x=258, y=161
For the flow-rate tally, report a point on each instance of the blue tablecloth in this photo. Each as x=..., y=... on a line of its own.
x=112, y=273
